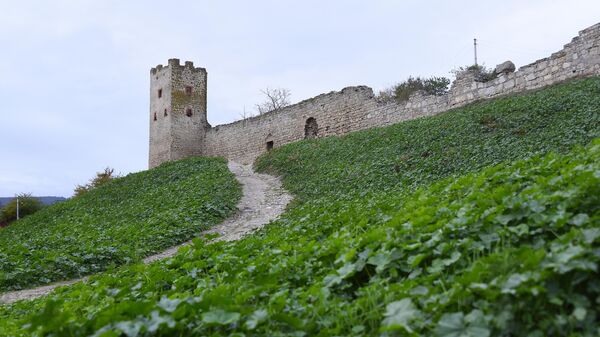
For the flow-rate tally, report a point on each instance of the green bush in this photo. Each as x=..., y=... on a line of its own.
x=119, y=222
x=402, y=91
x=3, y=221
x=100, y=179
x=27, y=205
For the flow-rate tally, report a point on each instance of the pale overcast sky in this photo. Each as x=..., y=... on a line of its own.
x=74, y=74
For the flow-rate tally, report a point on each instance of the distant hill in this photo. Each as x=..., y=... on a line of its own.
x=45, y=200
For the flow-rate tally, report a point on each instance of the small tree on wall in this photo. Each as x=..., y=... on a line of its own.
x=401, y=92
x=274, y=99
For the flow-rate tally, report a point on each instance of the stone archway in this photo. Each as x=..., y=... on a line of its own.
x=311, y=128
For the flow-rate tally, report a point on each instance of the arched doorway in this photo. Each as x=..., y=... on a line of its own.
x=311, y=128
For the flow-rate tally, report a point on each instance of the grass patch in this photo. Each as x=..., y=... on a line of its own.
x=117, y=223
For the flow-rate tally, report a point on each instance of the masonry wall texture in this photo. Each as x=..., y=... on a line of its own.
x=177, y=111
x=351, y=109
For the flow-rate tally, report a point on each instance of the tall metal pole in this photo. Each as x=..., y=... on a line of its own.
x=17, y=207
x=475, y=49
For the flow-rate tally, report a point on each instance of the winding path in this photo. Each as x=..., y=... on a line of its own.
x=263, y=201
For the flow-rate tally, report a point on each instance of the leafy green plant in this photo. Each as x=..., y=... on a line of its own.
x=510, y=250
x=500, y=240
x=119, y=222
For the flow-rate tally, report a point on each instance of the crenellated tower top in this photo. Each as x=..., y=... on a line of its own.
x=176, y=64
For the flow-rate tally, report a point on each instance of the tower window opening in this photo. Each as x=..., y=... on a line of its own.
x=188, y=90
x=159, y=93
x=155, y=117
x=166, y=114
x=188, y=112
x=270, y=145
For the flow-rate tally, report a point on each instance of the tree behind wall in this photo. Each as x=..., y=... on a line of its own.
x=401, y=92
x=274, y=99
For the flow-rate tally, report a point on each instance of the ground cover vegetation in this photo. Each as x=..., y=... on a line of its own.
x=119, y=222
x=483, y=221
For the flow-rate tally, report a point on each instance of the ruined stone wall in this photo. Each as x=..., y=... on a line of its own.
x=356, y=108
x=335, y=114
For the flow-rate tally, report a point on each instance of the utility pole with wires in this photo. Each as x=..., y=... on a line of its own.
x=475, y=50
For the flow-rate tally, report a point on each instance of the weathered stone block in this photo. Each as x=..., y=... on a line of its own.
x=505, y=67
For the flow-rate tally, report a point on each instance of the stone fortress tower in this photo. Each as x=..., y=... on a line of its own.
x=178, y=121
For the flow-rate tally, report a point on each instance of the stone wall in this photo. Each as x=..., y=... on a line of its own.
x=336, y=114
x=357, y=108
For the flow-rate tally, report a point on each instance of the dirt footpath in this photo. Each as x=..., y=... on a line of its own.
x=263, y=201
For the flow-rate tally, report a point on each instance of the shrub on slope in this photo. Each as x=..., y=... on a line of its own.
x=511, y=251
x=413, y=153
x=117, y=223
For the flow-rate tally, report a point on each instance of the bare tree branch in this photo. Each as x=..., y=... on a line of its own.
x=274, y=99
x=246, y=114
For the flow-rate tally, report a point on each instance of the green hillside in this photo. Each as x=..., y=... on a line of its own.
x=119, y=223
x=410, y=154
x=483, y=221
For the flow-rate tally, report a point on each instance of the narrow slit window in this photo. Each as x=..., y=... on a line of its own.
x=188, y=90
x=159, y=93
x=188, y=112
x=155, y=116
x=166, y=114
